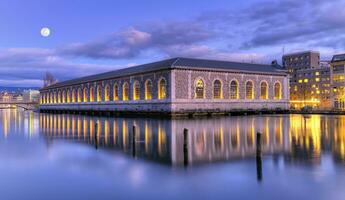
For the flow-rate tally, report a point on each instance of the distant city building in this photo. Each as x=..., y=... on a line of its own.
x=178, y=85
x=31, y=96
x=309, y=80
x=17, y=97
x=338, y=81
x=5, y=97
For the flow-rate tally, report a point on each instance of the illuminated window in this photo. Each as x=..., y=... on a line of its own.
x=277, y=91
x=55, y=97
x=199, y=89
x=136, y=91
x=233, y=90
x=92, y=94
x=317, y=73
x=85, y=99
x=249, y=90
x=300, y=81
x=125, y=92
x=162, y=89
x=116, y=93
x=148, y=90
x=63, y=96
x=317, y=79
x=306, y=80
x=217, y=89
x=338, y=78
x=59, y=97
x=80, y=95
x=99, y=93
x=68, y=96
x=295, y=88
x=107, y=93
x=263, y=90
x=73, y=96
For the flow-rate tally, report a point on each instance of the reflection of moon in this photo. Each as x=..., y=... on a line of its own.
x=45, y=32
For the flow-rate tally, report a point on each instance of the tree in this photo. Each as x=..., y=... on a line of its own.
x=49, y=79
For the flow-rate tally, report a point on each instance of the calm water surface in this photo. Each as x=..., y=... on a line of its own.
x=46, y=156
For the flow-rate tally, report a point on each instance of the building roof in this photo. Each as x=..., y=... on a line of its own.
x=338, y=58
x=178, y=63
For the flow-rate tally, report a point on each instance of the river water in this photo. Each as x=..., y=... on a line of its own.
x=47, y=156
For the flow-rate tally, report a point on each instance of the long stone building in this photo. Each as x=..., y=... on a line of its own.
x=174, y=86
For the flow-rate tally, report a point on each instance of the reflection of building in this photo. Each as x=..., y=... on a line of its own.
x=301, y=139
x=162, y=140
x=178, y=85
x=338, y=81
x=309, y=80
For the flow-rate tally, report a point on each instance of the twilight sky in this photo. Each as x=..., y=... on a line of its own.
x=90, y=37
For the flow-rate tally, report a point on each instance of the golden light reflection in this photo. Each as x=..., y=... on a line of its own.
x=295, y=136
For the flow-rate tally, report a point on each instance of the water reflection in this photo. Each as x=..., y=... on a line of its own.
x=296, y=138
x=161, y=140
x=16, y=123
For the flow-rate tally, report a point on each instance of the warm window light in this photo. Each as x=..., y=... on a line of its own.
x=300, y=81
x=306, y=80
x=199, y=89
x=317, y=73
x=317, y=79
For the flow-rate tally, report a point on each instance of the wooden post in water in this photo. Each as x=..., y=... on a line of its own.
x=258, y=144
x=96, y=135
x=133, y=141
x=258, y=156
x=185, y=147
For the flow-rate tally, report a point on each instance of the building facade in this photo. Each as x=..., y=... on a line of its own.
x=338, y=81
x=309, y=80
x=178, y=85
x=31, y=96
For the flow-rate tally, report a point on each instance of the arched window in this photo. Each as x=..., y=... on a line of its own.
x=148, y=90
x=85, y=99
x=136, y=91
x=125, y=92
x=55, y=97
x=92, y=94
x=233, y=90
x=107, y=93
x=277, y=91
x=217, y=89
x=263, y=90
x=199, y=89
x=99, y=93
x=68, y=96
x=249, y=90
x=63, y=96
x=162, y=89
x=80, y=95
x=59, y=96
x=116, y=93
x=74, y=96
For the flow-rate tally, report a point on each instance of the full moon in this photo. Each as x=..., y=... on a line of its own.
x=45, y=32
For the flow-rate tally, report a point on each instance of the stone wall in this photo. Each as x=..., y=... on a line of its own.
x=180, y=90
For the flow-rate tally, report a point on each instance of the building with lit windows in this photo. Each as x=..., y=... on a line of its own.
x=338, y=81
x=178, y=85
x=309, y=80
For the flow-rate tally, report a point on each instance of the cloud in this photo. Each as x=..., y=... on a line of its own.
x=256, y=33
x=26, y=66
x=132, y=42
